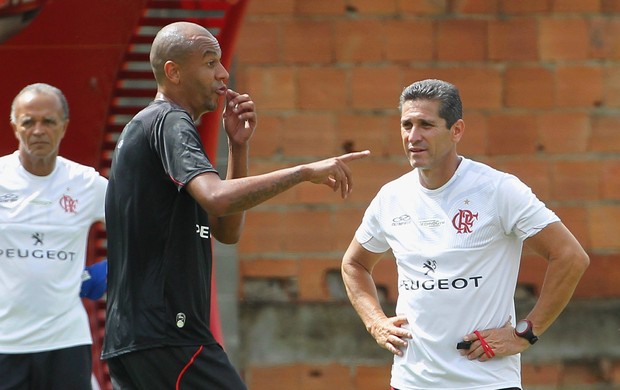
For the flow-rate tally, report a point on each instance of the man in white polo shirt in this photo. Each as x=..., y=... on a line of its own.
x=47, y=206
x=456, y=228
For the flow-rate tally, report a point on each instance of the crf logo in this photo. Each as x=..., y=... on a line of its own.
x=463, y=221
x=68, y=204
x=38, y=238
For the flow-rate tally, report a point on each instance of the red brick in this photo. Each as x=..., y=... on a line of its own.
x=611, y=87
x=311, y=193
x=532, y=171
x=331, y=376
x=254, y=34
x=263, y=232
x=462, y=40
x=283, y=377
x=377, y=172
x=323, y=88
x=579, y=6
x=525, y=6
x=601, y=278
x=434, y=7
x=372, y=377
x=307, y=42
x=309, y=134
x=580, y=373
x=604, y=223
x=271, y=7
x=393, y=140
x=321, y=7
x=402, y=45
x=308, y=231
x=267, y=137
x=271, y=87
x=610, y=183
x=376, y=88
x=521, y=82
x=313, y=278
x=564, y=132
x=268, y=268
x=576, y=180
x=544, y=374
x=359, y=40
x=373, y=7
x=604, y=33
x=347, y=220
x=480, y=87
x=512, y=134
x=563, y=39
x=475, y=7
x=475, y=139
x=605, y=135
x=579, y=86
x=513, y=40
x=610, y=6
x=362, y=132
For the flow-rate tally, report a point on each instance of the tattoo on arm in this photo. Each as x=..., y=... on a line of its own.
x=259, y=195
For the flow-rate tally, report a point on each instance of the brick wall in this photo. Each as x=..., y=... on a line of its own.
x=540, y=82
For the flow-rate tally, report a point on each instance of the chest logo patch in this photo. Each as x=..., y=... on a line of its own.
x=463, y=221
x=68, y=204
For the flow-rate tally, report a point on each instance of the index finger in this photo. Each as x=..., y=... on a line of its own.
x=354, y=155
x=230, y=95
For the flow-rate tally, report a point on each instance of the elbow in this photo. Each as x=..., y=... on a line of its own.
x=229, y=238
x=583, y=261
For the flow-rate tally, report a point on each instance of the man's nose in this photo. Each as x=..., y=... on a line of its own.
x=222, y=73
x=414, y=134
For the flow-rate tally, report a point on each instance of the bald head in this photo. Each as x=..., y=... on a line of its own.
x=176, y=41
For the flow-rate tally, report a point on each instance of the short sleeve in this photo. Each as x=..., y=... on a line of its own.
x=180, y=149
x=369, y=234
x=521, y=212
x=101, y=184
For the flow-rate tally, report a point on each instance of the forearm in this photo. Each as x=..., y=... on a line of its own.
x=362, y=293
x=238, y=160
x=227, y=229
x=561, y=279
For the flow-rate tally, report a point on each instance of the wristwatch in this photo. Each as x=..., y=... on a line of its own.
x=524, y=329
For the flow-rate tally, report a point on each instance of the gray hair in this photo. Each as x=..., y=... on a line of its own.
x=41, y=88
x=451, y=107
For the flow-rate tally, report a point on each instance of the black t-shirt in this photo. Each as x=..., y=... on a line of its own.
x=159, y=244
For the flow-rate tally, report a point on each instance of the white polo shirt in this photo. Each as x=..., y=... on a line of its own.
x=458, y=250
x=44, y=225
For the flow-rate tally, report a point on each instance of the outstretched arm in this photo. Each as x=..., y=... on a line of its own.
x=225, y=197
x=357, y=266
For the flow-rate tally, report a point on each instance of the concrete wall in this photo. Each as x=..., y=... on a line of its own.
x=540, y=81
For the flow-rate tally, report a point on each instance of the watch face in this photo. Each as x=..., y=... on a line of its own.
x=521, y=326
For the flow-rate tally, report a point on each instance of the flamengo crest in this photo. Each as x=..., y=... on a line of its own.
x=464, y=220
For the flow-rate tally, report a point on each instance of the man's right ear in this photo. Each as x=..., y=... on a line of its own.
x=171, y=70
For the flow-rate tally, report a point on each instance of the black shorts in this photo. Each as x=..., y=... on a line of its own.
x=179, y=368
x=67, y=368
